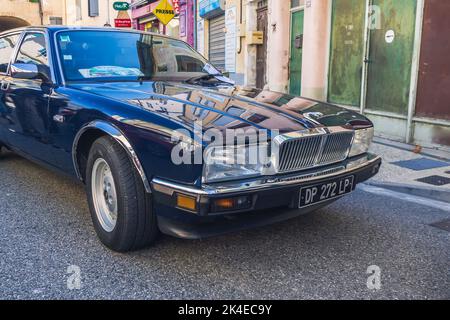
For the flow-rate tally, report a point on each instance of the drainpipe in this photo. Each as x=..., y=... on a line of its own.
x=41, y=12
x=65, y=12
x=415, y=71
x=109, y=13
x=195, y=24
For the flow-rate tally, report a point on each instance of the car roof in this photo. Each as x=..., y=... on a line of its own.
x=63, y=28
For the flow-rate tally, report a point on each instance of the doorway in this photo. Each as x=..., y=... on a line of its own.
x=296, y=54
x=261, y=51
x=7, y=23
x=385, y=52
x=390, y=57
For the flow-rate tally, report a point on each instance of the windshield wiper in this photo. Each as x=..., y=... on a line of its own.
x=205, y=77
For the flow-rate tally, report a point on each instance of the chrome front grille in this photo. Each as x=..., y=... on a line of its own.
x=315, y=150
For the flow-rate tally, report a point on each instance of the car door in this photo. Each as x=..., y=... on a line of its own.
x=7, y=45
x=27, y=100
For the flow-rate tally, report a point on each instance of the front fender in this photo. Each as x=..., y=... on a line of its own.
x=116, y=134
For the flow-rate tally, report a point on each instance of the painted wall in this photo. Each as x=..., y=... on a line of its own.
x=106, y=13
x=186, y=28
x=316, y=45
x=434, y=77
x=278, y=46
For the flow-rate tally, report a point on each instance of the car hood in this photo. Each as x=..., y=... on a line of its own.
x=227, y=107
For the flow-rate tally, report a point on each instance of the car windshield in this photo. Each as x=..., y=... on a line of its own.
x=117, y=56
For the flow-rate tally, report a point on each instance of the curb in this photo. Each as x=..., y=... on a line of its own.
x=441, y=195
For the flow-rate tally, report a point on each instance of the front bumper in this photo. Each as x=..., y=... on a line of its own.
x=266, y=193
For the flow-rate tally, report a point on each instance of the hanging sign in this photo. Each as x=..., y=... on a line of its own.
x=121, y=6
x=164, y=12
x=123, y=20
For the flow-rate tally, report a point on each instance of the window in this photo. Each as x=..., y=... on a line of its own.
x=56, y=21
x=105, y=55
x=33, y=50
x=79, y=13
x=7, y=45
x=297, y=3
x=93, y=8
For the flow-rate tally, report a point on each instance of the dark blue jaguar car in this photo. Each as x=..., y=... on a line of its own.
x=117, y=110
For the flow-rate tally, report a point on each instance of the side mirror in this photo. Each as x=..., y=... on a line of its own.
x=28, y=71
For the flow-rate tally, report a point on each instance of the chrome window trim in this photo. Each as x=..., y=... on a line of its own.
x=11, y=58
x=58, y=56
x=24, y=33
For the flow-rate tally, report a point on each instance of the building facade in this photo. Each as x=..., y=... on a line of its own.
x=144, y=18
x=96, y=13
x=20, y=13
x=385, y=58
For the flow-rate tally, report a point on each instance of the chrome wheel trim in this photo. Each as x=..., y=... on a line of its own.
x=104, y=195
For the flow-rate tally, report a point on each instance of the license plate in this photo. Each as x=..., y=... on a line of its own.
x=322, y=192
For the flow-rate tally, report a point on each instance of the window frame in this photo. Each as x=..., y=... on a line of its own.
x=78, y=10
x=47, y=46
x=58, y=59
x=13, y=53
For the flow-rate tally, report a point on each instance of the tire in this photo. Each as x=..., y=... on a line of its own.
x=115, y=190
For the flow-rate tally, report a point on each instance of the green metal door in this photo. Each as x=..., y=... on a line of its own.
x=295, y=73
x=390, y=56
x=347, y=52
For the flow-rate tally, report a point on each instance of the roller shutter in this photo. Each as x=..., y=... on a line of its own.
x=217, y=42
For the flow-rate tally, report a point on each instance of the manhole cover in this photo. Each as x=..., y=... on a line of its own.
x=435, y=180
x=443, y=225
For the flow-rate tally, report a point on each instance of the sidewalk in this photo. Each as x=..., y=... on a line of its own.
x=426, y=174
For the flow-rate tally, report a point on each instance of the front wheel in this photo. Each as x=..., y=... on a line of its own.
x=121, y=210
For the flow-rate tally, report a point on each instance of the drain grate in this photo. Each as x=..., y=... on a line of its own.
x=443, y=225
x=435, y=180
x=421, y=164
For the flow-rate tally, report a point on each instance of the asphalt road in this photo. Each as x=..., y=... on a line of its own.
x=45, y=227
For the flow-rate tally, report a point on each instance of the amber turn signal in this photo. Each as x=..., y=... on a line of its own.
x=232, y=204
x=186, y=202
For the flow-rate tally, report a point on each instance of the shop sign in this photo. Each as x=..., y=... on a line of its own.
x=211, y=8
x=176, y=6
x=121, y=6
x=122, y=23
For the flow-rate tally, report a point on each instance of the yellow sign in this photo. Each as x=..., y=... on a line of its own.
x=164, y=12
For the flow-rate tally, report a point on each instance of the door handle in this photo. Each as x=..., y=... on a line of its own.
x=4, y=86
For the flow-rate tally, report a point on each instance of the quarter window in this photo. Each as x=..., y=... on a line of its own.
x=7, y=45
x=33, y=50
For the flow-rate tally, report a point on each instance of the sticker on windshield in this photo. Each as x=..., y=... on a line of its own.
x=110, y=71
x=65, y=38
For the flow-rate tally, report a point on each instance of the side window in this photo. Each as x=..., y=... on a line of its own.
x=33, y=50
x=7, y=45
